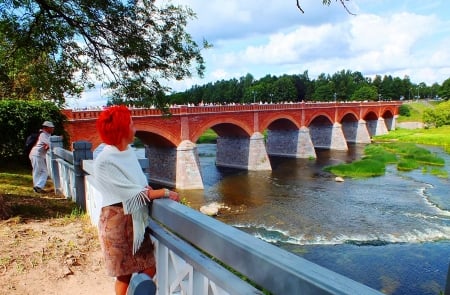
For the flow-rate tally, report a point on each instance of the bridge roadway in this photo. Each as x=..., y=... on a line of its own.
x=293, y=130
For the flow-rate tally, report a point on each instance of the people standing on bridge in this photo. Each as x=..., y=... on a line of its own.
x=124, y=237
x=38, y=157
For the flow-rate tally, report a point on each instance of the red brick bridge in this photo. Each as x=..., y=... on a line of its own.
x=293, y=130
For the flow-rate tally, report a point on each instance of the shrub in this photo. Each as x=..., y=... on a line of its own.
x=20, y=118
x=404, y=110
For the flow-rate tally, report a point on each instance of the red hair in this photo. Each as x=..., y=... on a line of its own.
x=113, y=124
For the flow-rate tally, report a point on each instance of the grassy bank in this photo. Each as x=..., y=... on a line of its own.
x=416, y=111
x=433, y=136
x=399, y=148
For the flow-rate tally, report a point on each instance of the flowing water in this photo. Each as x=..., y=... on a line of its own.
x=391, y=233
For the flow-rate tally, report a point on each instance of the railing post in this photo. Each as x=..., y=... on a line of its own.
x=81, y=151
x=55, y=141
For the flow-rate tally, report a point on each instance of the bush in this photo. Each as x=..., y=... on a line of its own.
x=20, y=118
x=439, y=116
x=404, y=110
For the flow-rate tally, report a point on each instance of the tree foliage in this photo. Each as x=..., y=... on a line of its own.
x=52, y=48
x=439, y=116
x=366, y=92
x=344, y=85
x=444, y=91
x=20, y=118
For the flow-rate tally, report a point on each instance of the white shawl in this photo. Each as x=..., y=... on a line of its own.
x=120, y=179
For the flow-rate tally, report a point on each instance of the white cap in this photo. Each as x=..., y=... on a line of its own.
x=48, y=124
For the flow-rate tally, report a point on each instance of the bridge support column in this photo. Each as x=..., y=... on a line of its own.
x=356, y=131
x=175, y=167
x=243, y=153
x=338, y=141
x=188, y=167
x=381, y=127
x=362, y=134
x=390, y=123
x=162, y=165
x=290, y=143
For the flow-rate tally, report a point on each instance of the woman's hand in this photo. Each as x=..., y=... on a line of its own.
x=162, y=193
x=174, y=196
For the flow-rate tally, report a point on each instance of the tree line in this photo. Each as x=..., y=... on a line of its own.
x=344, y=85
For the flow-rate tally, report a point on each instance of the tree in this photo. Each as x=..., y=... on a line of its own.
x=20, y=118
x=365, y=92
x=439, y=116
x=444, y=92
x=53, y=48
x=323, y=92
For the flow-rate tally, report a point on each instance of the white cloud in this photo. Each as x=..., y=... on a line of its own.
x=395, y=38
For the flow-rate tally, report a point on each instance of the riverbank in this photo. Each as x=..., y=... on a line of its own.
x=432, y=136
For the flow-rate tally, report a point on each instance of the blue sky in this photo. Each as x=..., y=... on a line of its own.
x=260, y=37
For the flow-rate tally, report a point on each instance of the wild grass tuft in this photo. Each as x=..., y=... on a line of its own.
x=407, y=156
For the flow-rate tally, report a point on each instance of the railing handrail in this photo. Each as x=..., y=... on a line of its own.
x=183, y=230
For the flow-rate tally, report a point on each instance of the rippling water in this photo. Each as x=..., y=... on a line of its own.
x=391, y=233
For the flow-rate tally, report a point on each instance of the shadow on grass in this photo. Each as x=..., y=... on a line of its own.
x=31, y=207
x=18, y=200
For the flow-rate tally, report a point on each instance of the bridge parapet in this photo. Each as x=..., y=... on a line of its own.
x=184, y=109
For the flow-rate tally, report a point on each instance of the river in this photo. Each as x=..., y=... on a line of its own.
x=391, y=233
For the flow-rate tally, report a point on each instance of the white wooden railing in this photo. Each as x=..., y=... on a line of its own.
x=191, y=248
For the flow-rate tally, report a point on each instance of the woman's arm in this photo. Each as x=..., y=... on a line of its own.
x=162, y=193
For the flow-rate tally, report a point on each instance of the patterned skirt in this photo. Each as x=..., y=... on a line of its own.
x=116, y=240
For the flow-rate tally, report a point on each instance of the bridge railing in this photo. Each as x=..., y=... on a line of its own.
x=80, y=115
x=196, y=254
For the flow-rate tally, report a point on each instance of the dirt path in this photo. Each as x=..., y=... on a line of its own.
x=55, y=256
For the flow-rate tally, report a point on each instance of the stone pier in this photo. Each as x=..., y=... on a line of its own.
x=243, y=153
x=290, y=143
x=356, y=131
x=175, y=167
x=381, y=127
x=328, y=137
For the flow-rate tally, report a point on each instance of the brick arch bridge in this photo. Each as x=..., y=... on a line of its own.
x=293, y=130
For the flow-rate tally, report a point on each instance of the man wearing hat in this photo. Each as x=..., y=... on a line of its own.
x=38, y=157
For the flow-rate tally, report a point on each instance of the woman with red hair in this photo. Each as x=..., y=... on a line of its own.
x=124, y=237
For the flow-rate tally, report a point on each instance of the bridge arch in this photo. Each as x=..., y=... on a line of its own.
x=153, y=136
x=349, y=116
x=224, y=128
x=279, y=122
x=322, y=117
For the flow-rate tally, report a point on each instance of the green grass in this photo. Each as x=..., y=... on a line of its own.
x=407, y=157
x=208, y=137
x=358, y=169
x=416, y=111
x=16, y=189
x=432, y=136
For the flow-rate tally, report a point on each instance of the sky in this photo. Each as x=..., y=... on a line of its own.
x=272, y=37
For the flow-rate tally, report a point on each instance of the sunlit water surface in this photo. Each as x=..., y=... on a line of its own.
x=391, y=233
